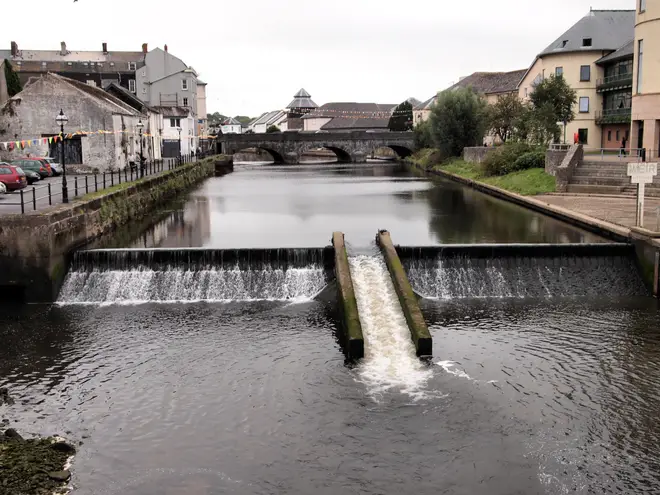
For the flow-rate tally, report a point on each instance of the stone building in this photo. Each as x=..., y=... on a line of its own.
x=4, y=95
x=101, y=132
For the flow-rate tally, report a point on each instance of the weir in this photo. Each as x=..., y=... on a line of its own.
x=523, y=270
x=183, y=275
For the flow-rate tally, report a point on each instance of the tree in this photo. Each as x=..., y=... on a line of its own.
x=402, y=118
x=272, y=129
x=14, y=85
x=504, y=114
x=554, y=101
x=422, y=135
x=215, y=117
x=243, y=119
x=458, y=120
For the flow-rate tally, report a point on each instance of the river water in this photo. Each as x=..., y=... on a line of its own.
x=524, y=395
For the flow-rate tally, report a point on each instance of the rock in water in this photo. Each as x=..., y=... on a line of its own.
x=63, y=447
x=61, y=476
x=4, y=397
x=13, y=435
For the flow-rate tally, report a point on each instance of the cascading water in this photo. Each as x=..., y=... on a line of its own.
x=133, y=276
x=390, y=360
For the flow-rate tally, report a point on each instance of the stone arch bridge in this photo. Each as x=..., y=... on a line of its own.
x=287, y=147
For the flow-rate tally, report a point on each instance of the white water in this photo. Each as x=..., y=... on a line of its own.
x=142, y=285
x=390, y=361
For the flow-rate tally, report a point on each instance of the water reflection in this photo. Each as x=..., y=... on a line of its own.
x=293, y=206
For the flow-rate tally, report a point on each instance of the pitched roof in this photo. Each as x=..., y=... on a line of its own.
x=357, y=123
x=607, y=29
x=491, y=82
x=125, y=94
x=188, y=70
x=426, y=105
x=268, y=118
x=231, y=121
x=302, y=99
x=352, y=110
x=173, y=111
x=625, y=52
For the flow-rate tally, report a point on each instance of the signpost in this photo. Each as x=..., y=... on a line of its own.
x=641, y=173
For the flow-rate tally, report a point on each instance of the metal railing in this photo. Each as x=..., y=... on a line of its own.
x=620, y=154
x=30, y=199
x=614, y=116
x=615, y=81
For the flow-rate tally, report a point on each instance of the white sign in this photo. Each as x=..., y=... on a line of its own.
x=642, y=173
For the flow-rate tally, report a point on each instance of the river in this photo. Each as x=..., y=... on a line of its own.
x=524, y=395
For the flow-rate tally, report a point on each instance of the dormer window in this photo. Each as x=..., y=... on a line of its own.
x=586, y=42
x=564, y=43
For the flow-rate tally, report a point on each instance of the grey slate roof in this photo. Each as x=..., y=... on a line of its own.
x=625, y=52
x=302, y=99
x=173, y=111
x=268, y=118
x=231, y=121
x=492, y=82
x=608, y=30
x=427, y=104
x=352, y=110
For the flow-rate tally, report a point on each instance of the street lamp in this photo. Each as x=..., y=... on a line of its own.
x=140, y=126
x=179, y=129
x=62, y=119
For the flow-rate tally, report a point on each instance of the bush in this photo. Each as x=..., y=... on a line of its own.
x=532, y=159
x=502, y=160
x=422, y=136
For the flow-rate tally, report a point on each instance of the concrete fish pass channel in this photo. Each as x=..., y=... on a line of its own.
x=376, y=295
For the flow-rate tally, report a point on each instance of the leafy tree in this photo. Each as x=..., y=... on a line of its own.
x=14, y=85
x=243, y=119
x=272, y=129
x=504, y=114
x=537, y=125
x=402, y=118
x=422, y=135
x=553, y=99
x=458, y=120
x=215, y=117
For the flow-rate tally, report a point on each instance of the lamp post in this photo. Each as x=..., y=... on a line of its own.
x=179, y=129
x=62, y=119
x=140, y=126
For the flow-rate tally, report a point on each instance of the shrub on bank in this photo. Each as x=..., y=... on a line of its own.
x=532, y=159
x=502, y=161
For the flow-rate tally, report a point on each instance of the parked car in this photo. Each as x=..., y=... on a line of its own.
x=12, y=177
x=3, y=188
x=31, y=176
x=55, y=165
x=45, y=164
x=32, y=165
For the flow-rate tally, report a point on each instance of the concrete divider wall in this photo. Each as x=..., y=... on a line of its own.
x=347, y=302
x=418, y=330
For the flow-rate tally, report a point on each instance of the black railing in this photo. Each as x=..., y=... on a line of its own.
x=32, y=198
x=614, y=82
x=614, y=116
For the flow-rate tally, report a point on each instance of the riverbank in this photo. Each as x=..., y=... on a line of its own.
x=525, y=182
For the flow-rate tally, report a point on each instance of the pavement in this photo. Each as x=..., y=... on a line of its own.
x=620, y=210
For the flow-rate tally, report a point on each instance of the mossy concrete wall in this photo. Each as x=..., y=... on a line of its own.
x=418, y=330
x=34, y=247
x=347, y=302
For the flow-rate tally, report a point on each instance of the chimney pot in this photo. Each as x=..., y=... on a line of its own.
x=105, y=48
x=145, y=47
x=63, y=48
x=165, y=47
x=14, y=49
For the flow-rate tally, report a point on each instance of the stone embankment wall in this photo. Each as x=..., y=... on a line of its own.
x=565, y=171
x=477, y=154
x=34, y=247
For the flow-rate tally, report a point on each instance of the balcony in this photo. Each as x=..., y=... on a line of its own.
x=614, y=116
x=614, y=83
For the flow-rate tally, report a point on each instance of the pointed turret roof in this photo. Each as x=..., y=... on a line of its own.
x=302, y=99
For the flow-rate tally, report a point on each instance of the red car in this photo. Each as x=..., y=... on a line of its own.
x=12, y=177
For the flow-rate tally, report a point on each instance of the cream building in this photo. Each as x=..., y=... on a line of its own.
x=645, y=131
x=573, y=56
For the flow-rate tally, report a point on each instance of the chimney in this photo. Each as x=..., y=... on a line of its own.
x=145, y=48
x=165, y=47
x=105, y=48
x=14, y=49
x=63, y=48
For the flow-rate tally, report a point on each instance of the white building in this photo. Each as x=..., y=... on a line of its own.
x=261, y=125
x=231, y=126
x=178, y=126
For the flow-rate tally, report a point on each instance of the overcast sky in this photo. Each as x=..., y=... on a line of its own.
x=255, y=54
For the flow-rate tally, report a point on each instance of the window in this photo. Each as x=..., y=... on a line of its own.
x=91, y=82
x=526, y=91
x=131, y=85
x=175, y=122
x=132, y=66
x=584, y=104
x=559, y=71
x=144, y=90
x=609, y=136
x=642, y=6
x=144, y=73
x=583, y=135
x=618, y=135
x=564, y=43
x=585, y=73
x=184, y=84
x=185, y=102
x=586, y=42
x=640, y=64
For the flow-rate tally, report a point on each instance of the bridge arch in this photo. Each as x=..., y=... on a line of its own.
x=400, y=150
x=277, y=156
